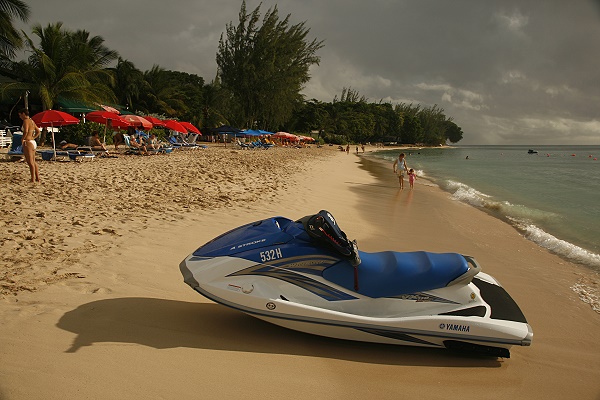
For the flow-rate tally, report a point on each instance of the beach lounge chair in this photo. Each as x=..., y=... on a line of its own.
x=81, y=156
x=16, y=147
x=260, y=145
x=5, y=138
x=159, y=150
x=130, y=148
x=88, y=148
x=178, y=143
x=49, y=155
x=149, y=150
x=189, y=140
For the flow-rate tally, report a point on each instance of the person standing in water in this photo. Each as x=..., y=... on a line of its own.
x=400, y=168
x=30, y=133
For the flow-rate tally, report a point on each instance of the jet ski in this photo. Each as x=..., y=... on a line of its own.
x=308, y=276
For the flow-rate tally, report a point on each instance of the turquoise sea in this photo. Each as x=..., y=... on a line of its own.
x=552, y=197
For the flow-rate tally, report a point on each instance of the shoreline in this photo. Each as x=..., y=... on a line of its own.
x=572, y=249
x=584, y=260
x=585, y=257
x=587, y=287
x=129, y=303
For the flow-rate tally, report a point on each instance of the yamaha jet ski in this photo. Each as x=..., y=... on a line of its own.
x=307, y=276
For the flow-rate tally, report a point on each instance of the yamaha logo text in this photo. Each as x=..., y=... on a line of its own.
x=455, y=327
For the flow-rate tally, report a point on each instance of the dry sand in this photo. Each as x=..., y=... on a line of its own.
x=93, y=306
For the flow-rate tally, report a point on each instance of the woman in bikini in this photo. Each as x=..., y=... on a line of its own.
x=30, y=133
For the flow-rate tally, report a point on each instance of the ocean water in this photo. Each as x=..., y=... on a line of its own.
x=552, y=197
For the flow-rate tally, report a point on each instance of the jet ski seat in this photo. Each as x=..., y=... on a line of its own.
x=390, y=274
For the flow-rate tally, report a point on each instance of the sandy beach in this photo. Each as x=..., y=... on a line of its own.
x=93, y=306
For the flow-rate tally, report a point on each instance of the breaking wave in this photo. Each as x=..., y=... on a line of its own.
x=522, y=217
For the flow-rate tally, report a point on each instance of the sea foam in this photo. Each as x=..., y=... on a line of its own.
x=556, y=245
x=521, y=218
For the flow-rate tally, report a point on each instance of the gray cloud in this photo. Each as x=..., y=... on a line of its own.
x=507, y=71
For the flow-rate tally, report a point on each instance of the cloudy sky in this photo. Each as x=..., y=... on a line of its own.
x=507, y=71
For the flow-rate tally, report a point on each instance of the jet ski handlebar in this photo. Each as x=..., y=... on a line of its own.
x=324, y=228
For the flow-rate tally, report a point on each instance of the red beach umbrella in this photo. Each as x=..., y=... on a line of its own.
x=110, y=109
x=102, y=117
x=52, y=118
x=136, y=120
x=155, y=121
x=190, y=127
x=286, y=135
x=174, y=125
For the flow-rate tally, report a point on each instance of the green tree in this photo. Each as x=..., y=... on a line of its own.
x=433, y=123
x=335, y=119
x=10, y=38
x=310, y=116
x=129, y=82
x=161, y=95
x=453, y=132
x=190, y=87
x=265, y=67
x=65, y=64
x=388, y=122
x=351, y=117
x=215, y=103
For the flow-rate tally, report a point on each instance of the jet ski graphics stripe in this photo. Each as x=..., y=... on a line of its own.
x=399, y=336
x=423, y=297
x=359, y=326
x=311, y=264
x=285, y=274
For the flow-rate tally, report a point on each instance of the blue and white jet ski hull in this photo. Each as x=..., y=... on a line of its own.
x=294, y=283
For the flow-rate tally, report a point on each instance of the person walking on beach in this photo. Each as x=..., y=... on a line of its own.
x=412, y=176
x=30, y=133
x=399, y=168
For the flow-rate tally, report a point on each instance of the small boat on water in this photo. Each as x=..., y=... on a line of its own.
x=531, y=151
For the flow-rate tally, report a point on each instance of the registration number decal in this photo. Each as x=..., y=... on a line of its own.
x=270, y=255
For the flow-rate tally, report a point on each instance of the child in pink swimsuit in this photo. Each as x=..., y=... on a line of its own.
x=411, y=177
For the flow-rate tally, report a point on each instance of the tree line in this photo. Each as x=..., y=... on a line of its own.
x=262, y=67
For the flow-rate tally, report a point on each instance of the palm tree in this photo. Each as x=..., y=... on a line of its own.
x=161, y=95
x=128, y=83
x=10, y=39
x=65, y=64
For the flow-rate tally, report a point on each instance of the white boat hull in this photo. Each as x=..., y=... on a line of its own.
x=430, y=319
